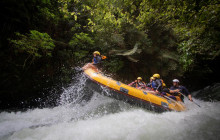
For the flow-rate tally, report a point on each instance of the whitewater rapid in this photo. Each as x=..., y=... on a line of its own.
x=104, y=118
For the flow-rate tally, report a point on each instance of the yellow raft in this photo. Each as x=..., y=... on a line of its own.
x=96, y=81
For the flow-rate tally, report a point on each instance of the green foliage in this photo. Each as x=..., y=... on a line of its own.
x=48, y=14
x=81, y=54
x=81, y=40
x=113, y=65
x=35, y=44
x=81, y=43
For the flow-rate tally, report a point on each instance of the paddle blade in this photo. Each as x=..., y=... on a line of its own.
x=104, y=57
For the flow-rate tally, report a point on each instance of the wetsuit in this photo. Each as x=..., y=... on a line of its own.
x=158, y=85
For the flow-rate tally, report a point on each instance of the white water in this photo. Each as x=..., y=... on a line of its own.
x=103, y=118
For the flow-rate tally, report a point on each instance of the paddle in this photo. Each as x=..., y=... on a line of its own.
x=167, y=97
x=192, y=101
x=103, y=57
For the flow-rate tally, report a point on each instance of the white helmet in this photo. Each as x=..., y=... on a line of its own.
x=176, y=80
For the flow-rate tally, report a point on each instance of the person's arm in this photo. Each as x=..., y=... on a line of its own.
x=190, y=97
x=186, y=92
x=148, y=84
x=131, y=83
x=158, y=84
x=174, y=91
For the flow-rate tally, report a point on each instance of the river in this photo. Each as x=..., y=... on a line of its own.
x=97, y=117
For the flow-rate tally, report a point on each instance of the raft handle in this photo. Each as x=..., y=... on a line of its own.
x=118, y=83
x=124, y=90
x=164, y=104
x=145, y=92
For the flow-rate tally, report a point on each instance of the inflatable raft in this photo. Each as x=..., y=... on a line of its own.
x=147, y=99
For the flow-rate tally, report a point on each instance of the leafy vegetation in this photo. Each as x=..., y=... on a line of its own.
x=35, y=45
x=42, y=40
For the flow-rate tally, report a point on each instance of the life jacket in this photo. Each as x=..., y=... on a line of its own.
x=97, y=59
x=177, y=97
x=153, y=84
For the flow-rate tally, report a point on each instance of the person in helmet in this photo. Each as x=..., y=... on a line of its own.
x=139, y=83
x=152, y=83
x=158, y=83
x=96, y=58
x=176, y=89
